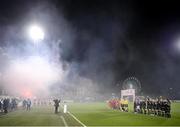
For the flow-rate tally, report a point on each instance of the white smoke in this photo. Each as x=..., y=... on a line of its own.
x=32, y=76
x=33, y=70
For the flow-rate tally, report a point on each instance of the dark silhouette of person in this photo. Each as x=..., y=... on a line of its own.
x=56, y=105
x=24, y=104
x=5, y=105
x=28, y=104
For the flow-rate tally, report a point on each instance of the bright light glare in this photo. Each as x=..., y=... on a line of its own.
x=36, y=33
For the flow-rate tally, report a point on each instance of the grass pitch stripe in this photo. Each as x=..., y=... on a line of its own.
x=64, y=121
x=77, y=119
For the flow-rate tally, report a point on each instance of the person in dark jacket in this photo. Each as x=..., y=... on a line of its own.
x=135, y=105
x=149, y=105
x=141, y=106
x=56, y=105
x=144, y=106
x=168, y=109
x=163, y=103
x=28, y=104
x=5, y=105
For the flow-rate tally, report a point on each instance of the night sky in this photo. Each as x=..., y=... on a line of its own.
x=106, y=40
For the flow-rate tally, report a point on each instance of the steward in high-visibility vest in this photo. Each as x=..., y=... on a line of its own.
x=126, y=105
x=122, y=105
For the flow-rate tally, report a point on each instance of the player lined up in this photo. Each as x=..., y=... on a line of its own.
x=157, y=107
x=121, y=104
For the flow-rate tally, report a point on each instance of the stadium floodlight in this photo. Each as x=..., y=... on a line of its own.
x=36, y=33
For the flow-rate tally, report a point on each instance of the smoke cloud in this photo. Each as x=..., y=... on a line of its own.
x=84, y=53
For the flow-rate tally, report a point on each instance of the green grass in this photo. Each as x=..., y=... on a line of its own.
x=34, y=117
x=91, y=114
x=99, y=114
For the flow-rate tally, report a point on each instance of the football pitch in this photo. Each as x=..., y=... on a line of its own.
x=87, y=114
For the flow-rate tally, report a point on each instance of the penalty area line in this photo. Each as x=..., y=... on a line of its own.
x=64, y=121
x=76, y=119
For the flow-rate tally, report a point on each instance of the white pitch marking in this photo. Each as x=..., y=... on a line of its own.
x=64, y=121
x=77, y=119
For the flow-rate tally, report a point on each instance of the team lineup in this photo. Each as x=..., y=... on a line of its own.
x=158, y=107
x=60, y=112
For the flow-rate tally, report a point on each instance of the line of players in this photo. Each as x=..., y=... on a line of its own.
x=120, y=104
x=157, y=107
